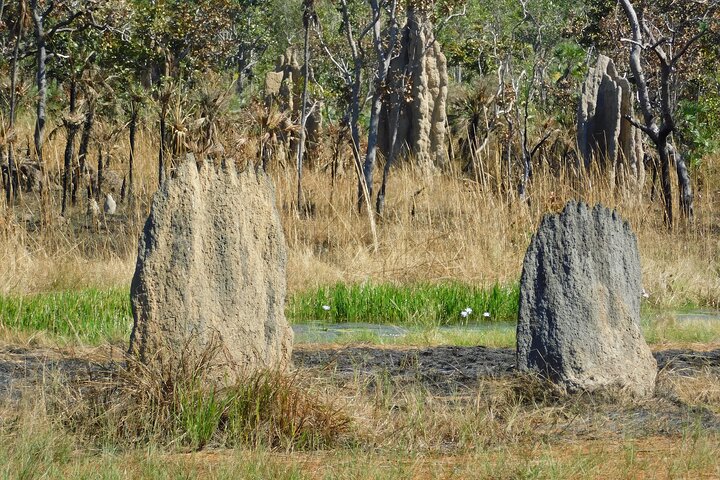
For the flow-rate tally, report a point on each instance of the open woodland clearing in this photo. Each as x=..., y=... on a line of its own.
x=414, y=148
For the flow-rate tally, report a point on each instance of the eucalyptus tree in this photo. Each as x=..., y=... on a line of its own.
x=309, y=20
x=16, y=34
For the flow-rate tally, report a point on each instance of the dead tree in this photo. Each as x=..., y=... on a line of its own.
x=658, y=122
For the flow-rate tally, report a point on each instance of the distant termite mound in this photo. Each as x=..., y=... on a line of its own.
x=210, y=273
x=414, y=118
x=605, y=136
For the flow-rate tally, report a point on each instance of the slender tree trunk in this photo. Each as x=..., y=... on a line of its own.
x=303, y=114
x=242, y=65
x=12, y=180
x=384, y=56
x=395, y=121
x=355, y=132
x=98, y=188
x=372, y=147
x=133, y=130
x=83, y=149
x=665, y=182
x=684, y=184
x=71, y=126
x=41, y=80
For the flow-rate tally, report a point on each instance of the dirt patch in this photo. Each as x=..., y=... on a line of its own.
x=442, y=369
x=449, y=368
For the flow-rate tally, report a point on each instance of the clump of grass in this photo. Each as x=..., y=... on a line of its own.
x=416, y=304
x=186, y=406
x=90, y=316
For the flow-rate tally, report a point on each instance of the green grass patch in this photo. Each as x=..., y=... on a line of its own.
x=419, y=304
x=94, y=316
x=665, y=328
x=90, y=316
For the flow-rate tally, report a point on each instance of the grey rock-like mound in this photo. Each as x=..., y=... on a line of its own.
x=579, y=320
x=210, y=274
x=603, y=132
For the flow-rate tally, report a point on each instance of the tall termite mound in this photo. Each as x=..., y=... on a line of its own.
x=605, y=136
x=413, y=118
x=580, y=290
x=210, y=273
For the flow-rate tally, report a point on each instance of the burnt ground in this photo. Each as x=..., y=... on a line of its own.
x=449, y=372
x=447, y=369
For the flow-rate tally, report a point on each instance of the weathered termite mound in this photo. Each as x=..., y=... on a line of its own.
x=210, y=274
x=414, y=118
x=579, y=320
x=604, y=134
x=283, y=91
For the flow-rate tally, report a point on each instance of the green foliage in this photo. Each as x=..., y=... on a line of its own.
x=421, y=304
x=698, y=126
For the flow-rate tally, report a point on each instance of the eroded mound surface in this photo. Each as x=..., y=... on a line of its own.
x=210, y=273
x=579, y=317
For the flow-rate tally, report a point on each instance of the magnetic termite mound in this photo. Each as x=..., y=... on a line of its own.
x=579, y=320
x=210, y=273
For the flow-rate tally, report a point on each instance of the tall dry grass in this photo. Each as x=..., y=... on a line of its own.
x=437, y=227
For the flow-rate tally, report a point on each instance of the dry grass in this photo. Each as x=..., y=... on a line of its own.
x=440, y=227
x=515, y=427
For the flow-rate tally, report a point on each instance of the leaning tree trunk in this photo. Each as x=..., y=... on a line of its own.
x=355, y=132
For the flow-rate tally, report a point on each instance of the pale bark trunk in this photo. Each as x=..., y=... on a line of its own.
x=303, y=116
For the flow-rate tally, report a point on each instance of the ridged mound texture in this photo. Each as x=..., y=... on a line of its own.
x=210, y=275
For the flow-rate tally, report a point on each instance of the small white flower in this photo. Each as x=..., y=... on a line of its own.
x=645, y=294
x=464, y=313
x=326, y=307
x=469, y=310
x=486, y=314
